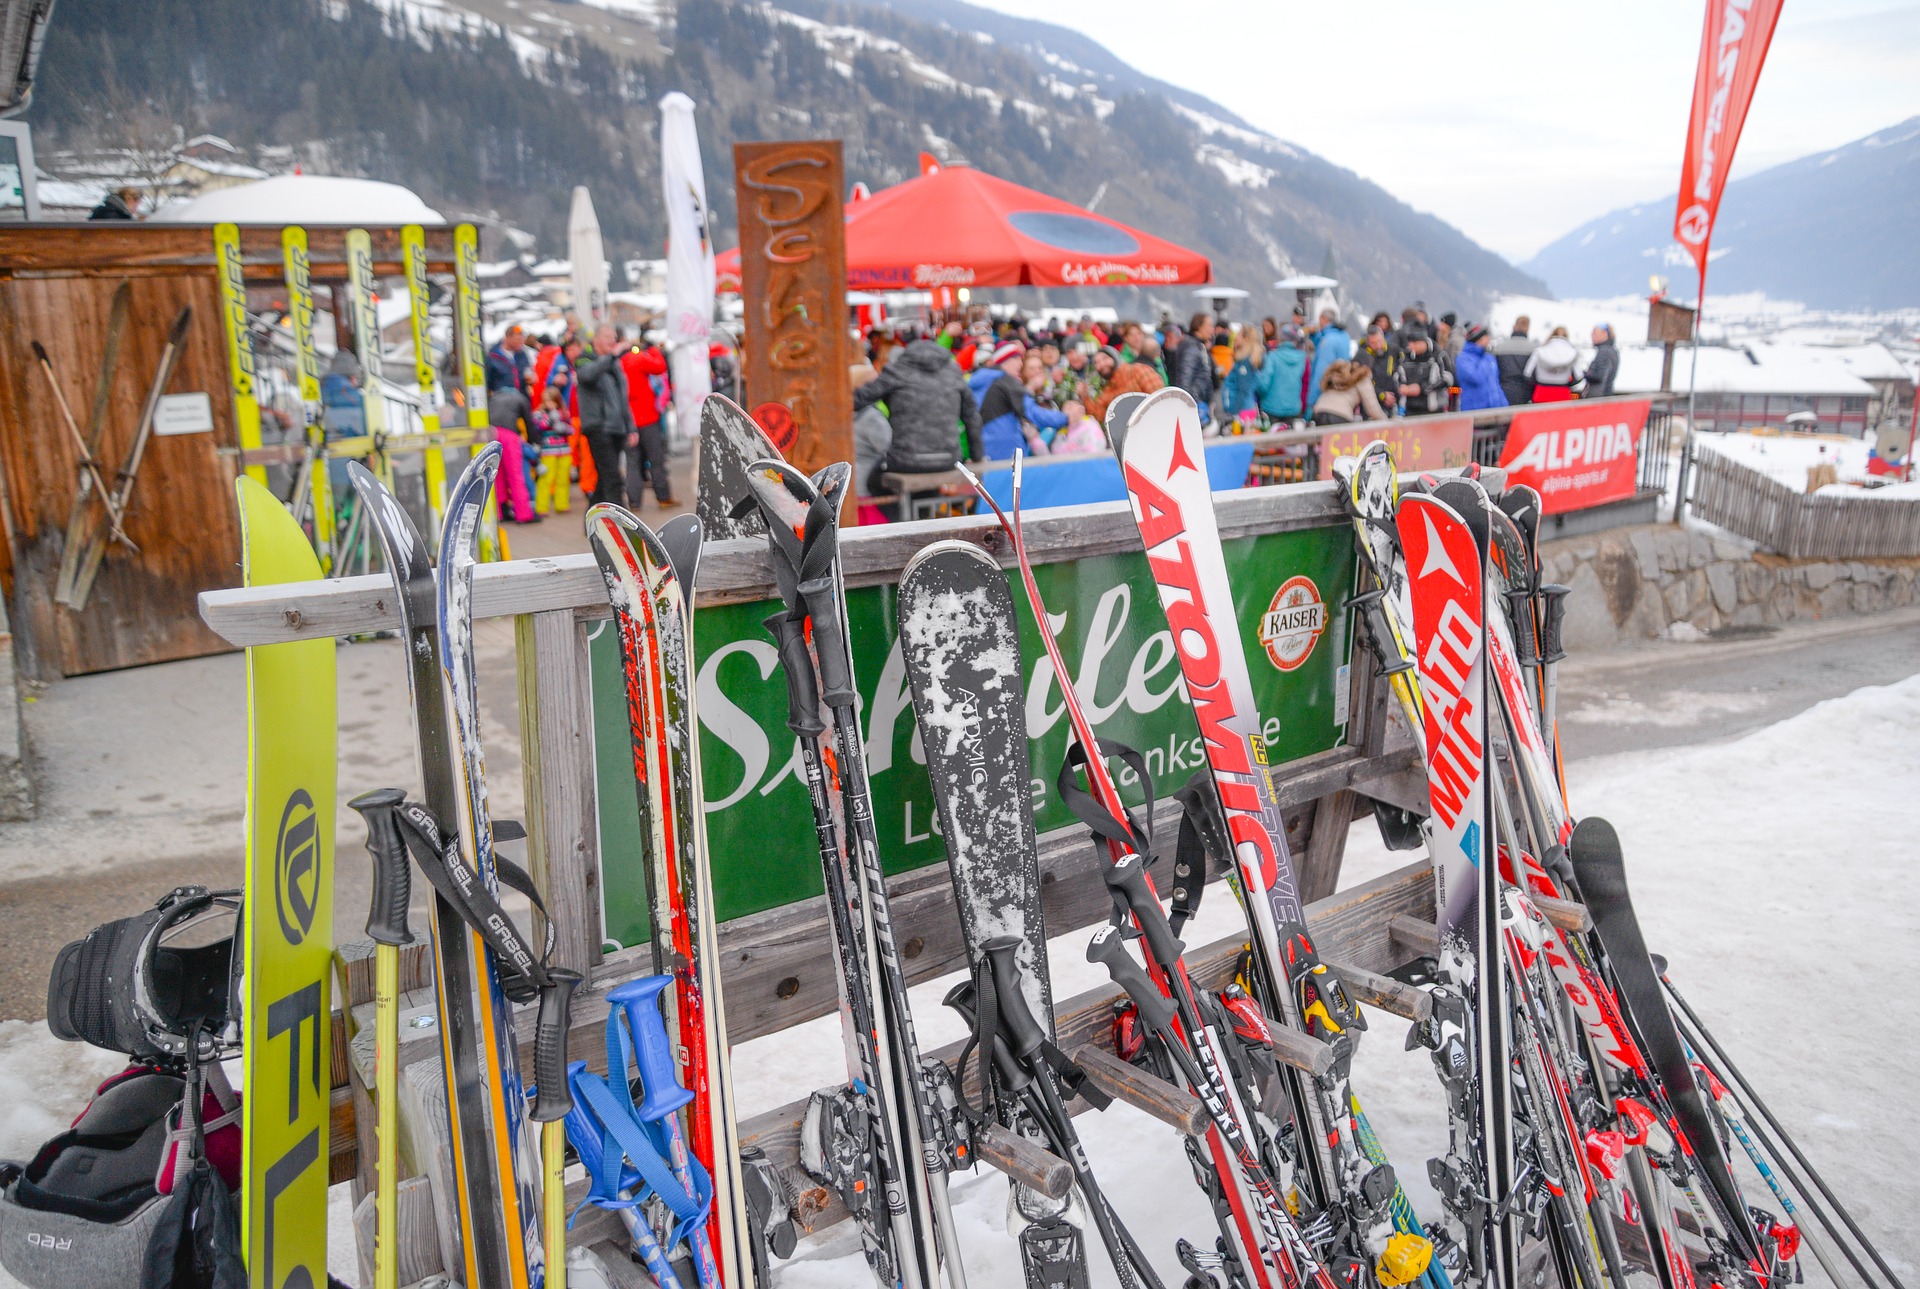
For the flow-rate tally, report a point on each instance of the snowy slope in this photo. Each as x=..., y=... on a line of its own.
x=1829, y=230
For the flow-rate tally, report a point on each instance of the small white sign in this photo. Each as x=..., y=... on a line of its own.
x=1342, y=687
x=183, y=414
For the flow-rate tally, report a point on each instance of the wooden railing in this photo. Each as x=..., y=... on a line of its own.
x=1796, y=524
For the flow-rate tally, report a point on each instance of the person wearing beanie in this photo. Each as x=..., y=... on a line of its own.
x=1478, y=372
x=1008, y=407
x=1282, y=383
x=927, y=401
x=1423, y=377
x=1449, y=339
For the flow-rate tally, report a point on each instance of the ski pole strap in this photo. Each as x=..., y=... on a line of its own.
x=524, y=975
x=623, y=1134
x=1124, y=830
x=1203, y=837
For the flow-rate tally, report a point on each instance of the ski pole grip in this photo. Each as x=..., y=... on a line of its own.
x=652, y=1051
x=1556, y=595
x=553, y=1096
x=822, y=596
x=1129, y=877
x=803, y=694
x=965, y=1001
x=1024, y=1161
x=1024, y=1034
x=1523, y=638
x=392, y=879
x=1109, y=950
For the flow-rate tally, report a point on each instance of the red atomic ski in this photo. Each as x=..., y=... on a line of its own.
x=1445, y=566
x=1260, y=1222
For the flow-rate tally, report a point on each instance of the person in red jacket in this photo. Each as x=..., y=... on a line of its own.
x=647, y=446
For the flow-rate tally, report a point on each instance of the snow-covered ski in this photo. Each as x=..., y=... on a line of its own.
x=961, y=647
x=730, y=442
x=649, y=594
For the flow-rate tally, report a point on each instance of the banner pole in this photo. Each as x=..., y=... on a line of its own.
x=1693, y=382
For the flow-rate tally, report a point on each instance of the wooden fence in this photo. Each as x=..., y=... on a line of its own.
x=775, y=971
x=1800, y=525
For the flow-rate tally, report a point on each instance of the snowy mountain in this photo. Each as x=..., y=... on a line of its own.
x=1830, y=230
x=498, y=107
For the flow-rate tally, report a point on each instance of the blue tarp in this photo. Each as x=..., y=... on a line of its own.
x=1089, y=479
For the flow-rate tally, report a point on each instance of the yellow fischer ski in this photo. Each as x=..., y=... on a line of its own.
x=413, y=254
x=291, y=755
x=473, y=369
x=233, y=314
x=293, y=247
x=366, y=344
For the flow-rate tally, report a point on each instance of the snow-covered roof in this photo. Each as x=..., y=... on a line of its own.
x=308, y=200
x=1871, y=362
x=208, y=141
x=225, y=169
x=495, y=268
x=552, y=268
x=1754, y=369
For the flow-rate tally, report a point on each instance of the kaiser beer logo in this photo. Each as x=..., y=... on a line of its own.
x=1292, y=624
x=296, y=866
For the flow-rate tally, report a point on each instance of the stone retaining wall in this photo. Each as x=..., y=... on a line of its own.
x=1645, y=582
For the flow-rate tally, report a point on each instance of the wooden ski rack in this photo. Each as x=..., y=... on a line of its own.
x=776, y=974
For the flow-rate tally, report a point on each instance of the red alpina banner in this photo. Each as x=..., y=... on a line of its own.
x=1577, y=454
x=1733, y=45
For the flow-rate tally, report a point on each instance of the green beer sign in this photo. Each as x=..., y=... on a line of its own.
x=1287, y=592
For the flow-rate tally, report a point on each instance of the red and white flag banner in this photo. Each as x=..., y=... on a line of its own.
x=1733, y=45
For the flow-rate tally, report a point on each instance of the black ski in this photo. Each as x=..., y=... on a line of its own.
x=961, y=646
x=1602, y=874
x=730, y=441
x=482, y=1166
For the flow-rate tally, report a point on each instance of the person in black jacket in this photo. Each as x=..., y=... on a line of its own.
x=1422, y=377
x=1604, y=366
x=121, y=203
x=1512, y=354
x=1190, y=364
x=606, y=417
x=927, y=404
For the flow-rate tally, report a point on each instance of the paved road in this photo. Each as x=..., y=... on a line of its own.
x=140, y=769
x=1670, y=694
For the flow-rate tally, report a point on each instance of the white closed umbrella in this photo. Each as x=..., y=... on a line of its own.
x=689, y=261
x=589, y=258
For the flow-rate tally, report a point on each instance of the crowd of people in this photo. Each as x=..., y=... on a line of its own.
x=586, y=406
x=926, y=399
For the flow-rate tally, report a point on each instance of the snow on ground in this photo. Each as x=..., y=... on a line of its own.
x=1776, y=872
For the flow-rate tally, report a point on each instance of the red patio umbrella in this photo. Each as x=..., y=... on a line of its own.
x=957, y=227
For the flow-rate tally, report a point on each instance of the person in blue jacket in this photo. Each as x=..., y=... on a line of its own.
x=1478, y=373
x=1006, y=403
x=1283, y=376
x=1331, y=344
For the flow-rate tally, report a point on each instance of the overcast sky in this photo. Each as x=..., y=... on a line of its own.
x=1513, y=120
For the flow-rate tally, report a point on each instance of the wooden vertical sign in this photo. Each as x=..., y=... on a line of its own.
x=793, y=277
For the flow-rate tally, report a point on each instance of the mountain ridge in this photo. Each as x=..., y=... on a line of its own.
x=497, y=108
x=1826, y=229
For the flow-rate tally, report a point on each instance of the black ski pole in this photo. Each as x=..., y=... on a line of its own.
x=1760, y=1107
x=387, y=927
x=803, y=718
x=1024, y=1037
